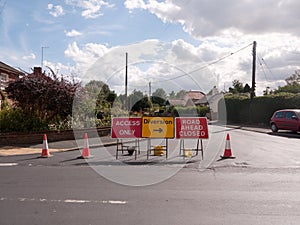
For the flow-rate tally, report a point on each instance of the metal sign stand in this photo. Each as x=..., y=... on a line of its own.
x=152, y=148
x=197, y=149
x=135, y=148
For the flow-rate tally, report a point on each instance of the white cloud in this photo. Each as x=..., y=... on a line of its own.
x=73, y=33
x=165, y=65
x=85, y=56
x=29, y=57
x=228, y=26
x=162, y=10
x=203, y=18
x=55, y=10
x=91, y=9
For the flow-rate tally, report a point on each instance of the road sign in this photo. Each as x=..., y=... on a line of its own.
x=126, y=127
x=158, y=127
x=191, y=127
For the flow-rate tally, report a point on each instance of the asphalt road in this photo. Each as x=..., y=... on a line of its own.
x=260, y=186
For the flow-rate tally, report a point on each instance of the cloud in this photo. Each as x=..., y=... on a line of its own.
x=72, y=33
x=202, y=18
x=165, y=65
x=91, y=9
x=228, y=26
x=55, y=10
x=85, y=56
x=29, y=57
x=162, y=10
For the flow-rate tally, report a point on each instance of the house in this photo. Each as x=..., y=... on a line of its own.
x=7, y=74
x=191, y=98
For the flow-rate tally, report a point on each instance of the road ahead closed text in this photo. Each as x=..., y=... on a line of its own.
x=191, y=127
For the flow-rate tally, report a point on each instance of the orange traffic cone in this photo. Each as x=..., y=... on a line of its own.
x=45, y=150
x=227, y=152
x=86, y=150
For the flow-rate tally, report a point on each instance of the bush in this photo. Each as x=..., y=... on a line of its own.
x=15, y=120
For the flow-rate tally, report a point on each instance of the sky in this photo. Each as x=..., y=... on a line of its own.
x=170, y=44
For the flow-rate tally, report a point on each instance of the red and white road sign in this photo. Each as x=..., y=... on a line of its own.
x=191, y=127
x=126, y=127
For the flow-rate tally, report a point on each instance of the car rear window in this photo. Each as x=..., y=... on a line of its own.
x=279, y=115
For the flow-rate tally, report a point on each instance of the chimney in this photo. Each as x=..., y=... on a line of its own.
x=37, y=71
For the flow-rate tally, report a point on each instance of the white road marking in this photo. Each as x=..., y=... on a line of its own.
x=8, y=164
x=76, y=201
x=68, y=201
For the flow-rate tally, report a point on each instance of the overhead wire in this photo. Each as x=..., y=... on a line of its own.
x=267, y=67
x=207, y=65
x=262, y=68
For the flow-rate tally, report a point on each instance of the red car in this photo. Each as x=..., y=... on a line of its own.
x=286, y=119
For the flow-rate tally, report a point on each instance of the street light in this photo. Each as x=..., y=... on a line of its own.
x=42, y=62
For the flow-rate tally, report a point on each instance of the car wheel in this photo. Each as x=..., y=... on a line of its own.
x=274, y=128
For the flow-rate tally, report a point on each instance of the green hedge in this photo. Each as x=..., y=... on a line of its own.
x=14, y=120
x=259, y=110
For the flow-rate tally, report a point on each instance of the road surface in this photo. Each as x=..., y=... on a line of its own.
x=260, y=186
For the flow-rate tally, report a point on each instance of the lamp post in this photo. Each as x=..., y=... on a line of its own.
x=42, y=61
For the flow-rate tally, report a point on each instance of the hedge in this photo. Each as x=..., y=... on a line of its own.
x=259, y=110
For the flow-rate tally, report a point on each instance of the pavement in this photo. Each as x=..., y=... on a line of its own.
x=71, y=145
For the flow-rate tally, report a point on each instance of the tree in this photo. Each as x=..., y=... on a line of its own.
x=247, y=88
x=292, y=84
x=134, y=99
x=172, y=95
x=237, y=87
x=294, y=78
x=159, y=92
x=101, y=96
x=37, y=94
x=181, y=94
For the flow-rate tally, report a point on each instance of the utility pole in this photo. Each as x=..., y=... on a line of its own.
x=252, y=94
x=42, y=61
x=126, y=100
x=150, y=98
x=149, y=89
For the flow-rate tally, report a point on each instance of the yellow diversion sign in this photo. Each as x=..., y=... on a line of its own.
x=158, y=127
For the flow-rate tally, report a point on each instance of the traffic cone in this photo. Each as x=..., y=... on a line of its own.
x=86, y=150
x=45, y=150
x=227, y=152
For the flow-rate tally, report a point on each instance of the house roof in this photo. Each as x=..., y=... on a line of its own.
x=201, y=101
x=194, y=95
x=8, y=69
x=176, y=102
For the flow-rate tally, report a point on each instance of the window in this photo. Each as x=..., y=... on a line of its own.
x=3, y=80
x=279, y=115
x=289, y=115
